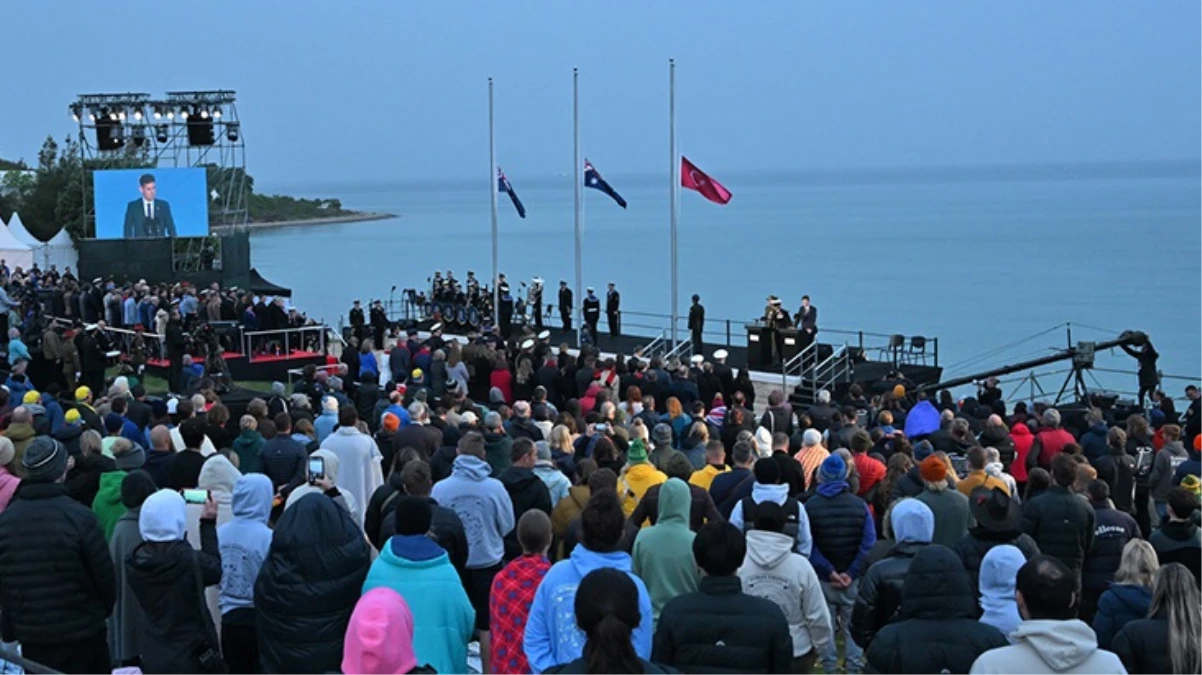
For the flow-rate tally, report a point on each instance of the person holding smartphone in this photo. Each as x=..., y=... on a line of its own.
x=168, y=578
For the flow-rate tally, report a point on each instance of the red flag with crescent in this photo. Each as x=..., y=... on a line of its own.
x=695, y=179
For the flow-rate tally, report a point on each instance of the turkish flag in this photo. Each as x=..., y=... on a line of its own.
x=695, y=179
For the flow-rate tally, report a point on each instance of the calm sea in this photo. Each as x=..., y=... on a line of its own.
x=980, y=257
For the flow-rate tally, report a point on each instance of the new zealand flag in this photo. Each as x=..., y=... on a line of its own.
x=504, y=186
x=593, y=179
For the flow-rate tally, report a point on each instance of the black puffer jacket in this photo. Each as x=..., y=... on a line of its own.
x=1112, y=532
x=720, y=629
x=999, y=438
x=83, y=480
x=936, y=629
x=162, y=577
x=308, y=587
x=978, y=541
x=1143, y=645
x=1117, y=469
x=527, y=491
x=880, y=593
x=56, y=576
x=1062, y=524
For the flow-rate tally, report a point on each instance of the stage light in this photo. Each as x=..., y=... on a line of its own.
x=183, y=114
x=138, y=114
x=217, y=113
x=158, y=113
x=75, y=112
x=170, y=114
x=138, y=134
x=204, y=114
x=231, y=131
x=160, y=133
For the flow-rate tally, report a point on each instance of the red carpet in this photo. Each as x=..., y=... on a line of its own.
x=258, y=358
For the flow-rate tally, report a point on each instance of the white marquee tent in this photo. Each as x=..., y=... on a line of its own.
x=13, y=251
x=59, y=251
x=18, y=230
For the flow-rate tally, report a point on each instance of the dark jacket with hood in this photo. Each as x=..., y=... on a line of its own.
x=1143, y=645
x=999, y=438
x=1062, y=524
x=978, y=541
x=721, y=629
x=937, y=630
x=1119, y=605
x=527, y=492
x=497, y=447
x=1117, y=469
x=1113, y=530
x=68, y=435
x=162, y=576
x=308, y=587
x=880, y=591
x=1174, y=542
x=56, y=575
x=1093, y=442
x=83, y=480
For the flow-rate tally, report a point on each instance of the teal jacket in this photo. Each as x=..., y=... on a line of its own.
x=663, y=553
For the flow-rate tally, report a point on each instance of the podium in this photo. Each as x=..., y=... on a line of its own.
x=759, y=345
x=791, y=344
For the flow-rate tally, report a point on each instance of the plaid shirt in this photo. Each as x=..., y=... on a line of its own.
x=508, y=607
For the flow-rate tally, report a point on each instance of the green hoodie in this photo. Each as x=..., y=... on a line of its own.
x=663, y=553
x=247, y=445
x=107, y=504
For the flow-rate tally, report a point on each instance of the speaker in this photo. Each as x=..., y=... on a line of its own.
x=200, y=130
x=109, y=134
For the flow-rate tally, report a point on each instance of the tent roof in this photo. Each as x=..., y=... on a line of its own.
x=61, y=239
x=262, y=286
x=17, y=228
x=9, y=242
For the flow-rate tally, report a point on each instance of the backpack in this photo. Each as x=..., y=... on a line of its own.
x=1144, y=456
x=791, y=507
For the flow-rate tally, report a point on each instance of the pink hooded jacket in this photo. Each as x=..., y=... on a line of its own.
x=379, y=637
x=8, y=485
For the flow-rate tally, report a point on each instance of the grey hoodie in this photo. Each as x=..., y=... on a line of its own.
x=1050, y=646
x=773, y=571
x=1163, y=467
x=244, y=541
x=483, y=505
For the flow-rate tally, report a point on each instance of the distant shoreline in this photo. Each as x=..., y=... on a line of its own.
x=348, y=218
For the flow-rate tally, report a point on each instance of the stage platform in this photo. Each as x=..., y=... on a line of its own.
x=259, y=367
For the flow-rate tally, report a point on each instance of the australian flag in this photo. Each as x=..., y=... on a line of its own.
x=504, y=186
x=593, y=179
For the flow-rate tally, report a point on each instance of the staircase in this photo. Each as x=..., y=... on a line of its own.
x=832, y=373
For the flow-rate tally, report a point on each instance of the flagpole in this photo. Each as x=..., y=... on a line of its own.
x=576, y=193
x=672, y=191
x=492, y=191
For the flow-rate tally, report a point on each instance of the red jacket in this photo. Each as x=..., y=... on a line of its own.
x=1020, y=434
x=871, y=472
x=508, y=608
x=502, y=379
x=1051, y=443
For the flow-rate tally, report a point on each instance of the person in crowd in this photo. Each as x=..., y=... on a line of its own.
x=977, y=476
x=571, y=506
x=938, y=612
x=380, y=636
x=308, y=586
x=526, y=490
x=358, y=459
x=83, y=480
x=870, y=469
x=1061, y=523
x=1048, y=442
x=552, y=633
x=951, y=509
x=1117, y=469
x=719, y=628
x=484, y=506
x=215, y=427
x=8, y=478
x=244, y=543
x=701, y=506
x=1113, y=530
x=446, y=528
x=1163, y=466
x=638, y=476
x=790, y=469
x=282, y=458
x=69, y=432
x=125, y=624
x=843, y=533
x=663, y=552
x=1093, y=440
x=1050, y=639
x=998, y=436
x=159, y=453
x=326, y=484
x=715, y=465
x=177, y=635
x=57, y=585
x=999, y=570
x=998, y=518
x=248, y=444
x=768, y=487
x=20, y=431
x=107, y=504
x=422, y=436
x=185, y=411
x=512, y=594
x=1179, y=538
x=608, y=611
x=662, y=439
x=1167, y=641
x=327, y=421
x=880, y=589
x=183, y=469
x=416, y=567
x=1038, y=481
x=811, y=455
x=549, y=473
x=726, y=486
x=774, y=571
x=1130, y=594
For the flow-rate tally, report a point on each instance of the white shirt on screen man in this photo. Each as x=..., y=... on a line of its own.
x=148, y=209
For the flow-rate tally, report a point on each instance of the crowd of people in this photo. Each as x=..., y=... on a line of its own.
x=554, y=511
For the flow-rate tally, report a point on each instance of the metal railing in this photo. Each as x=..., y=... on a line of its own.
x=821, y=375
x=657, y=347
x=683, y=348
x=284, y=341
x=1028, y=387
x=124, y=341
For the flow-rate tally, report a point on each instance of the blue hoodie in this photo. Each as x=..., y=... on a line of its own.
x=999, y=569
x=417, y=568
x=483, y=505
x=244, y=541
x=552, y=636
x=912, y=521
x=325, y=423
x=55, y=414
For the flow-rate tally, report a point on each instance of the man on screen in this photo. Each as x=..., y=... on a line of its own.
x=148, y=217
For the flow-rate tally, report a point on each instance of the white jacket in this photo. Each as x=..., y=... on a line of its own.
x=1050, y=646
x=774, y=572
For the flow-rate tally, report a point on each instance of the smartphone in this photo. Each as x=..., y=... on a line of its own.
x=317, y=468
x=195, y=496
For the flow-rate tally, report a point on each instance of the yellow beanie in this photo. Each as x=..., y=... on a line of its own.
x=31, y=396
x=82, y=394
x=72, y=416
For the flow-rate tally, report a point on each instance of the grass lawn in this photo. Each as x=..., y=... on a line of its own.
x=158, y=385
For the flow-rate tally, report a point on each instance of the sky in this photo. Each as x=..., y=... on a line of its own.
x=383, y=91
